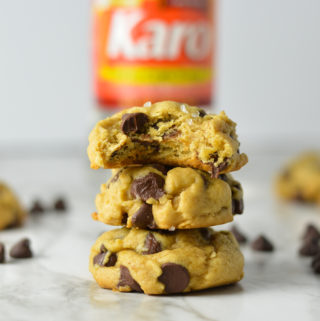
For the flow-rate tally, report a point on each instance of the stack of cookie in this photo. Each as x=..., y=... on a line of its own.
x=170, y=182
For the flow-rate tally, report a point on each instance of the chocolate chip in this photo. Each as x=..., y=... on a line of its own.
x=205, y=181
x=202, y=112
x=124, y=219
x=237, y=206
x=100, y=258
x=133, y=123
x=21, y=249
x=164, y=169
x=311, y=232
x=310, y=247
x=60, y=205
x=149, y=186
x=298, y=197
x=206, y=234
x=116, y=177
x=262, y=244
x=315, y=263
x=127, y=280
x=36, y=208
x=152, y=245
x=239, y=236
x=215, y=170
x=223, y=177
x=2, y=253
x=175, y=277
x=171, y=133
x=143, y=217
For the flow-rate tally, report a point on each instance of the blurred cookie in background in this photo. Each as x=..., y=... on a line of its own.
x=12, y=213
x=300, y=179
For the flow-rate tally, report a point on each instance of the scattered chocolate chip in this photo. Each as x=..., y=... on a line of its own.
x=151, y=244
x=310, y=247
x=60, y=205
x=262, y=244
x=143, y=217
x=311, y=232
x=149, y=186
x=100, y=258
x=2, y=253
x=127, y=280
x=21, y=249
x=315, y=263
x=239, y=236
x=124, y=219
x=175, y=277
x=237, y=206
x=133, y=123
x=147, y=144
x=202, y=112
x=206, y=234
x=164, y=169
x=36, y=208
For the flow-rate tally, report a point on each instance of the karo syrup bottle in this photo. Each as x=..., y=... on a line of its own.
x=153, y=50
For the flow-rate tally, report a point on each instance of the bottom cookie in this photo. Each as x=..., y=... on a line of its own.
x=163, y=262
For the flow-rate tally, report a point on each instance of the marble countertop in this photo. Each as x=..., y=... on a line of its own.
x=56, y=284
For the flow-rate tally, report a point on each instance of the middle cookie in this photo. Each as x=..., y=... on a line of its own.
x=160, y=197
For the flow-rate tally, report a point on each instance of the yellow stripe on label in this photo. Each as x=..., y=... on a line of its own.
x=129, y=75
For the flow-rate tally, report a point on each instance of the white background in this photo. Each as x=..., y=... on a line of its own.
x=268, y=70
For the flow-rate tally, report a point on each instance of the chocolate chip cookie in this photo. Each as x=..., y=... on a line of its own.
x=11, y=212
x=156, y=196
x=163, y=262
x=169, y=133
x=300, y=179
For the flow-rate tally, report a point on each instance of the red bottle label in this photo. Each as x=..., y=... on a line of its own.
x=152, y=50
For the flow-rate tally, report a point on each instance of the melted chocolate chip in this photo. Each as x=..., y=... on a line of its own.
x=21, y=249
x=205, y=181
x=237, y=206
x=149, y=186
x=133, y=123
x=215, y=170
x=124, y=219
x=127, y=280
x=116, y=177
x=99, y=258
x=164, y=169
x=262, y=244
x=143, y=217
x=206, y=234
x=171, y=133
x=152, y=245
x=223, y=177
x=239, y=236
x=175, y=277
x=2, y=253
